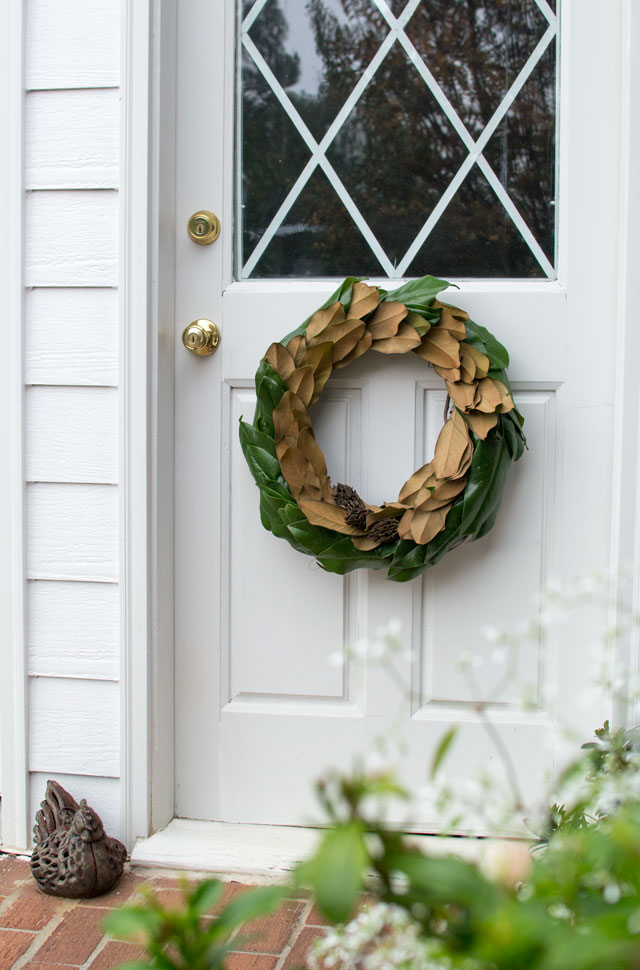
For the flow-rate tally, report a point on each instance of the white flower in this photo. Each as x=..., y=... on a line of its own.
x=611, y=893
x=493, y=634
x=507, y=862
x=380, y=938
x=393, y=629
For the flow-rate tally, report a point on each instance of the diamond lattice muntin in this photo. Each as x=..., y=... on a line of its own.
x=397, y=137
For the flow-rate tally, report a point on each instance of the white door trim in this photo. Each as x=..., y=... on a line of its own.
x=134, y=429
x=146, y=417
x=13, y=680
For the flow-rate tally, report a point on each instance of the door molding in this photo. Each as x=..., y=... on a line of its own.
x=146, y=416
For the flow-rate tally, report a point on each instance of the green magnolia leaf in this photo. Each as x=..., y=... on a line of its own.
x=488, y=524
x=264, y=467
x=418, y=321
x=421, y=291
x=491, y=460
x=501, y=375
x=440, y=754
x=336, y=873
x=249, y=435
x=269, y=390
x=314, y=543
x=480, y=338
x=513, y=436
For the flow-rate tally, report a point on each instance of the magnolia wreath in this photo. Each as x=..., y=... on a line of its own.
x=453, y=498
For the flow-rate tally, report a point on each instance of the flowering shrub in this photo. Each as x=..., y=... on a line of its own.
x=379, y=937
x=575, y=905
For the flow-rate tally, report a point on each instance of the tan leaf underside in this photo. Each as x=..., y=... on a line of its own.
x=481, y=361
x=323, y=319
x=366, y=544
x=413, y=485
x=301, y=383
x=461, y=394
x=392, y=511
x=507, y=400
x=426, y=525
x=488, y=396
x=364, y=299
x=442, y=495
x=289, y=408
x=329, y=516
x=281, y=360
x=481, y=424
x=297, y=347
x=320, y=358
x=348, y=340
x=312, y=451
x=451, y=446
x=386, y=320
x=405, y=340
x=452, y=374
x=450, y=309
x=439, y=347
x=422, y=527
x=360, y=348
x=451, y=323
x=299, y=474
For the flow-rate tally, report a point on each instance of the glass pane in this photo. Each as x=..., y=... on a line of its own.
x=354, y=142
x=475, y=238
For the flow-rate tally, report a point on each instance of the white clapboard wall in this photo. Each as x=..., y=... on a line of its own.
x=71, y=272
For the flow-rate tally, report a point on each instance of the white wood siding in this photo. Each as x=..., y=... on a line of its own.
x=84, y=323
x=72, y=45
x=71, y=139
x=71, y=273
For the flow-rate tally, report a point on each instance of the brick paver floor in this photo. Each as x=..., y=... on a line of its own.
x=39, y=932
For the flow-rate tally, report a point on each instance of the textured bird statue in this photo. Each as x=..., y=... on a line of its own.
x=73, y=856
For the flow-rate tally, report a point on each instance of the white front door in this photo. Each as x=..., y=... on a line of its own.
x=387, y=139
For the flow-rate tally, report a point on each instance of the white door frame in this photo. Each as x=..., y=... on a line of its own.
x=146, y=428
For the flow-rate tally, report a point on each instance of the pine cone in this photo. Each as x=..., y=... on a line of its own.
x=349, y=500
x=386, y=530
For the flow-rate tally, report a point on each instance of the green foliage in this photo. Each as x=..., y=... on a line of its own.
x=188, y=938
x=336, y=872
x=576, y=904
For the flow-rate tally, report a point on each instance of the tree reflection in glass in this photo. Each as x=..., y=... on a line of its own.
x=397, y=152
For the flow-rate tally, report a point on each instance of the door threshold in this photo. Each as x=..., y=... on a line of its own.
x=259, y=853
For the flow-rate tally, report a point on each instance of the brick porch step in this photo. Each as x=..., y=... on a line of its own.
x=39, y=932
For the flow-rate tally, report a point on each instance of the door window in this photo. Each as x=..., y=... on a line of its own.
x=394, y=138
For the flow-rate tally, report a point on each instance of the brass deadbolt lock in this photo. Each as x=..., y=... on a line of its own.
x=203, y=227
x=201, y=337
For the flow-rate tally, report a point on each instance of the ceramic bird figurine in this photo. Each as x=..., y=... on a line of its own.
x=73, y=856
